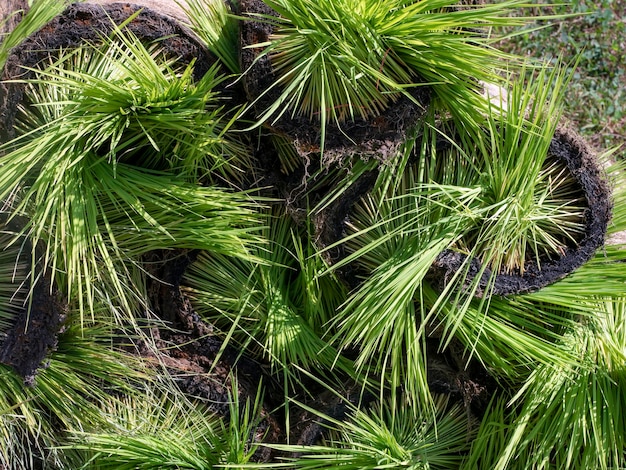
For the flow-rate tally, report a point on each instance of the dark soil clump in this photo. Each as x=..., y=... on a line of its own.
x=465, y=381
x=34, y=334
x=35, y=329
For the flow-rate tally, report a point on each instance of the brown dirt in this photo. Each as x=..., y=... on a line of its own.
x=197, y=359
x=8, y=20
x=329, y=223
x=34, y=332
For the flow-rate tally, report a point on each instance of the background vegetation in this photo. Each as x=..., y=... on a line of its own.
x=596, y=101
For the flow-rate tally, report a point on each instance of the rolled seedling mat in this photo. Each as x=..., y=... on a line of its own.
x=84, y=23
x=379, y=137
x=39, y=313
x=569, y=149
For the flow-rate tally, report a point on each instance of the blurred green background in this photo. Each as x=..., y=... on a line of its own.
x=596, y=104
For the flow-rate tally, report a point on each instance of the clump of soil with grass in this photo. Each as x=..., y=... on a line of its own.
x=572, y=152
x=87, y=23
x=379, y=137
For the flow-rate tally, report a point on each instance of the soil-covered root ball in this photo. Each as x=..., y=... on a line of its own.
x=570, y=154
x=83, y=23
x=378, y=133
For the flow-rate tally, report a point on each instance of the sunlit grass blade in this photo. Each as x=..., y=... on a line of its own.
x=491, y=437
x=603, y=276
x=15, y=274
x=146, y=211
x=214, y=23
x=511, y=336
x=617, y=171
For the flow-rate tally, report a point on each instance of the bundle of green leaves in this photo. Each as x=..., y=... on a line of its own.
x=112, y=145
x=83, y=374
x=568, y=415
x=276, y=307
x=495, y=196
x=389, y=437
x=534, y=206
x=336, y=60
x=160, y=428
x=14, y=277
x=37, y=16
x=214, y=22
